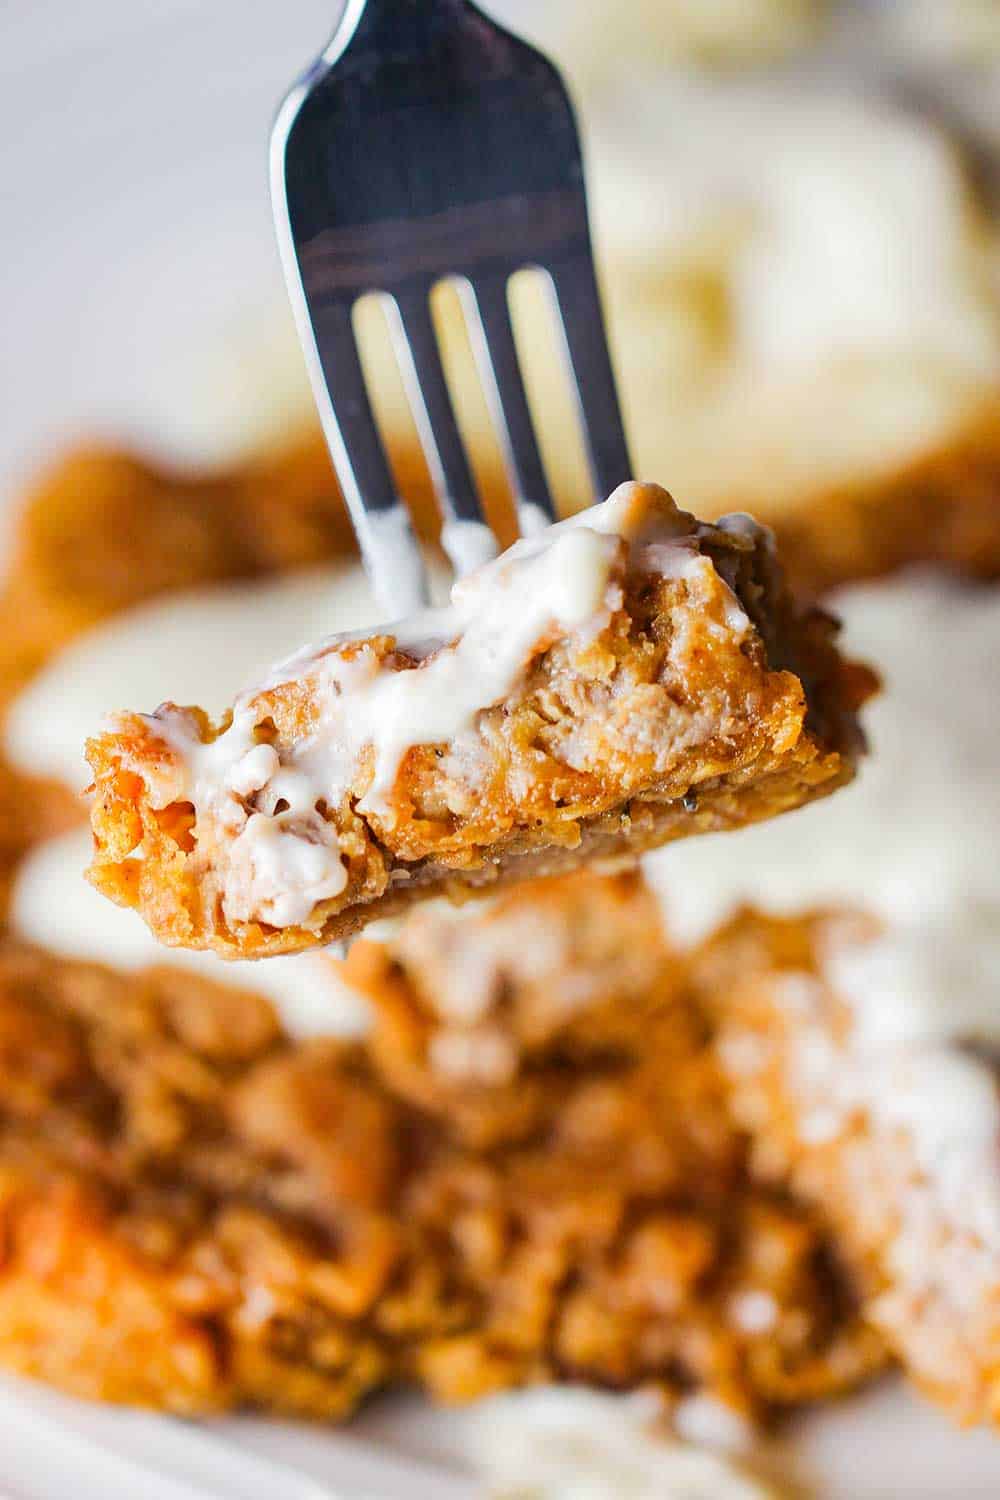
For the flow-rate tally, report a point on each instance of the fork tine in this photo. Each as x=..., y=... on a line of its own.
x=485, y=298
x=582, y=322
x=466, y=537
x=380, y=519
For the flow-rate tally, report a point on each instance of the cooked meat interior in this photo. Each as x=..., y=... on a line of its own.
x=629, y=677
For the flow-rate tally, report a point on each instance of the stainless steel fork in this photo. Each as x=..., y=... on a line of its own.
x=428, y=143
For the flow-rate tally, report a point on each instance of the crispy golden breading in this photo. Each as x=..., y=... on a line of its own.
x=599, y=1201
x=624, y=1245
x=848, y=1130
x=197, y=1214
x=478, y=1018
x=601, y=1208
x=693, y=697
x=942, y=509
x=531, y=989
x=31, y=810
x=103, y=531
x=194, y=1214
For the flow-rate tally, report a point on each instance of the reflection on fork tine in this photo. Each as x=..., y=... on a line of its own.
x=382, y=524
x=465, y=535
x=488, y=310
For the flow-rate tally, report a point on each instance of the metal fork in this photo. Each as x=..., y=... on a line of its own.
x=427, y=143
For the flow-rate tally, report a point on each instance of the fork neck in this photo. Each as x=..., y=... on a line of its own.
x=396, y=23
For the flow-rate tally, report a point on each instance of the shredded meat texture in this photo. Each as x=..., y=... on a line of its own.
x=198, y=1214
x=660, y=721
x=923, y=1248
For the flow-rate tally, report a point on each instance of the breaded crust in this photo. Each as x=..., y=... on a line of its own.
x=896, y=1140
x=697, y=698
x=197, y=1214
x=940, y=510
x=914, y=1200
x=479, y=1014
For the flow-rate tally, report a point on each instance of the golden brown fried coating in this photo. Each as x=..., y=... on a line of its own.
x=31, y=810
x=599, y=1200
x=197, y=1214
x=696, y=697
x=624, y=1244
x=895, y=1142
x=102, y=531
x=914, y=1200
x=479, y=1016
x=194, y=1214
x=943, y=509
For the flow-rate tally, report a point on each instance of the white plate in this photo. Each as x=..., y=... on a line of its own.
x=884, y=1445
x=138, y=259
